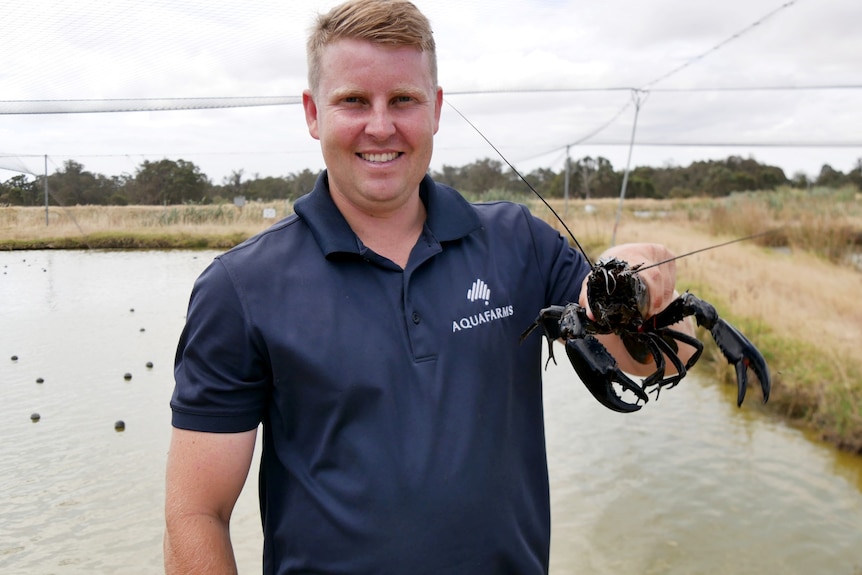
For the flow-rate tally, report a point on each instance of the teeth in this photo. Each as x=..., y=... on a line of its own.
x=379, y=157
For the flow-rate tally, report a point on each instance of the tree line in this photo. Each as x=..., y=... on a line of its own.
x=173, y=182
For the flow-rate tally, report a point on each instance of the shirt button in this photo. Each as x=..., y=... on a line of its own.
x=416, y=318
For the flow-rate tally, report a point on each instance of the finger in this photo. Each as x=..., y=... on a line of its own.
x=584, y=301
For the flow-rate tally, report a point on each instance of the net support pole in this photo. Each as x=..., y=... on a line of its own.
x=636, y=95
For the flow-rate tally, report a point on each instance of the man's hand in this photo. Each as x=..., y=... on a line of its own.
x=661, y=286
x=660, y=280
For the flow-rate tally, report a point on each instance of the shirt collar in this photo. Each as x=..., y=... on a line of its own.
x=449, y=216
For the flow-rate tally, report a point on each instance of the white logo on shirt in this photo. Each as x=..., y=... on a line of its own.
x=479, y=290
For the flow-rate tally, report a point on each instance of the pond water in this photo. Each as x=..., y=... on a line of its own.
x=690, y=484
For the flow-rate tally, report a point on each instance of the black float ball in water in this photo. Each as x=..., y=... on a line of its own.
x=34, y=417
x=40, y=380
x=127, y=376
x=150, y=364
x=14, y=358
x=119, y=425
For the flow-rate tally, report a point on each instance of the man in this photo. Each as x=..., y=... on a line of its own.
x=375, y=335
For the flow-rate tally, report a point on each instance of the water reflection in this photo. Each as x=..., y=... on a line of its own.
x=695, y=485
x=689, y=485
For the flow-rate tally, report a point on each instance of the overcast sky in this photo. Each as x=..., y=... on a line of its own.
x=780, y=81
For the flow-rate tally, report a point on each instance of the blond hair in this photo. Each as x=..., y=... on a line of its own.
x=392, y=22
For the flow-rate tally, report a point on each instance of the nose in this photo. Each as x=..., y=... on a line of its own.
x=380, y=123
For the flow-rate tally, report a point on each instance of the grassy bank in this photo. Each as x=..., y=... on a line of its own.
x=794, y=292
x=135, y=227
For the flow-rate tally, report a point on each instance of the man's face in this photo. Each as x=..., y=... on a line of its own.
x=375, y=111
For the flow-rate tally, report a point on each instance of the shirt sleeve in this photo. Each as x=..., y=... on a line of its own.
x=564, y=267
x=221, y=370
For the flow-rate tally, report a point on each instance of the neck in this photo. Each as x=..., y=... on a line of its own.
x=390, y=234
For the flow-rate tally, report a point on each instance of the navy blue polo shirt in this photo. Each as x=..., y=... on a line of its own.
x=402, y=421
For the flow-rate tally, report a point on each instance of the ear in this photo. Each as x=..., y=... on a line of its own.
x=310, y=108
x=438, y=107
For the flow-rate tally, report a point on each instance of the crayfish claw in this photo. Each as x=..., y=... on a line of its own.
x=742, y=354
x=549, y=321
x=598, y=371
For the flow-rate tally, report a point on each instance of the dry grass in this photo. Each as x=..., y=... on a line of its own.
x=822, y=221
x=140, y=226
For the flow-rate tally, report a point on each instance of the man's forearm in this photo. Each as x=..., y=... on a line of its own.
x=198, y=544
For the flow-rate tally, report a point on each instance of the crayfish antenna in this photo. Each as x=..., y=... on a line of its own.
x=527, y=183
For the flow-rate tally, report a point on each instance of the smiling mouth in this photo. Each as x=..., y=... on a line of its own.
x=379, y=158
